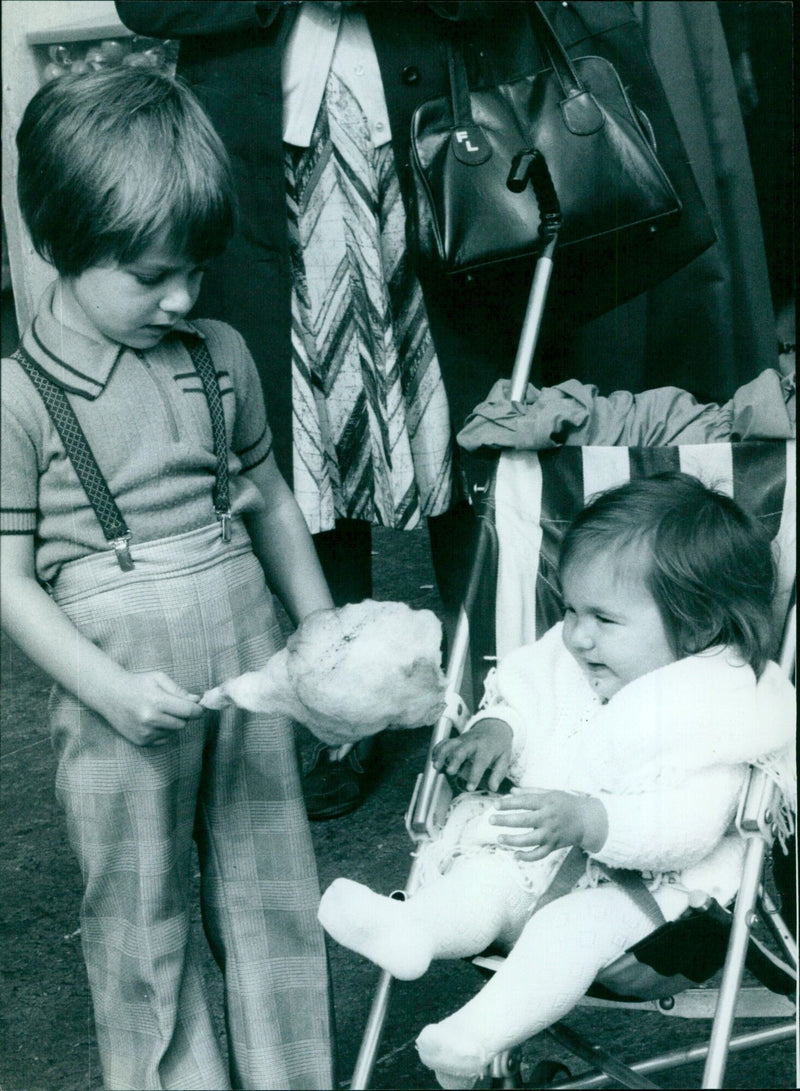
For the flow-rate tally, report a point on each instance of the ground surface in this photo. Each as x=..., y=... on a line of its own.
x=47, y=1032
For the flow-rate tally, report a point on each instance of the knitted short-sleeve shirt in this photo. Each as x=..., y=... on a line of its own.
x=147, y=422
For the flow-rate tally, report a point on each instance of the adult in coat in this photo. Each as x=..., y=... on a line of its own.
x=711, y=327
x=232, y=55
x=256, y=66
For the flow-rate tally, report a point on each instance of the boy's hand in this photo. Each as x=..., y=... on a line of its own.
x=487, y=745
x=151, y=707
x=553, y=820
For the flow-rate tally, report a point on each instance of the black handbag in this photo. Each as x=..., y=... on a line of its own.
x=577, y=114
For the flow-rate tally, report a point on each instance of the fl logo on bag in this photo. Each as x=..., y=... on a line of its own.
x=469, y=145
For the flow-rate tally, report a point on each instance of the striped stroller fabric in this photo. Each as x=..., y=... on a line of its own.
x=538, y=493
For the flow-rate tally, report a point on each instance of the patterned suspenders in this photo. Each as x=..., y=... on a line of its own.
x=114, y=527
x=204, y=366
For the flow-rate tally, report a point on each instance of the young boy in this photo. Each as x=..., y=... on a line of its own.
x=133, y=573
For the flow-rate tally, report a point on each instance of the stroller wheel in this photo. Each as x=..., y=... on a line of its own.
x=505, y=1070
x=543, y=1073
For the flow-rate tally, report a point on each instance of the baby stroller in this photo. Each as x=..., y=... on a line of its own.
x=524, y=501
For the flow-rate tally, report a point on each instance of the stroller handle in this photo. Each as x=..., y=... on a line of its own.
x=527, y=166
x=531, y=166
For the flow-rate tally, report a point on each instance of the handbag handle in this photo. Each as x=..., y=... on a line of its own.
x=556, y=54
x=569, y=81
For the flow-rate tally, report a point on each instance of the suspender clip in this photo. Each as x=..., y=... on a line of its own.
x=225, y=522
x=124, y=559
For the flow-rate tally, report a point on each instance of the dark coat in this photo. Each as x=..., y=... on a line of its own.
x=231, y=56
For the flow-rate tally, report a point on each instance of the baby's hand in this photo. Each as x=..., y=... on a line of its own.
x=553, y=820
x=150, y=707
x=487, y=745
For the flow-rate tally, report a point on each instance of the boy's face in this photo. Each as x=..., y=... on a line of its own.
x=136, y=303
x=612, y=626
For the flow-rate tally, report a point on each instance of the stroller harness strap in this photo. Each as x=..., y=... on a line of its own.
x=636, y=889
x=573, y=866
x=115, y=529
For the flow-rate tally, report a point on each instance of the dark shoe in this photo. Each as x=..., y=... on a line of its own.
x=334, y=788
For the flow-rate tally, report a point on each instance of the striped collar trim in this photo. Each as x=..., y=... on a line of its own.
x=77, y=363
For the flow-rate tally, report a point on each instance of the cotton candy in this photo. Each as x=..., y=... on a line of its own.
x=349, y=672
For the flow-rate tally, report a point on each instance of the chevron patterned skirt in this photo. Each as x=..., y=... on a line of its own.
x=371, y=429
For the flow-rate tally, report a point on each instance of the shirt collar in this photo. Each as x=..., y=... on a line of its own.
x=79, y=364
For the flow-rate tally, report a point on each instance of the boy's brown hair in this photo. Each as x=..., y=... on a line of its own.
x=110, y=161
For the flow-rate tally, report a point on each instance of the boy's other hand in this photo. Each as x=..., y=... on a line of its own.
x=151, y=707
x=486, y=746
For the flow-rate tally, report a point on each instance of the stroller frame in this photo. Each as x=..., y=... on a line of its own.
x=432, y=795
x=731, y=1000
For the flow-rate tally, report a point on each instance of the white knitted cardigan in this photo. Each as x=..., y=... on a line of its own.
x=699, y=713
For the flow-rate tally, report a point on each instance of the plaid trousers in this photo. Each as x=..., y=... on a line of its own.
x=198, y=609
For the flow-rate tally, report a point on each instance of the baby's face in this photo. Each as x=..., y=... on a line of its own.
x=612, y=626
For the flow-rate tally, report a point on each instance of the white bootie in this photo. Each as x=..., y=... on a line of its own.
x=456, y=1062
x=381, y=929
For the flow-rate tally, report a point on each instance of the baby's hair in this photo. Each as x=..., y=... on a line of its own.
x=708, y=563
x=111, y=161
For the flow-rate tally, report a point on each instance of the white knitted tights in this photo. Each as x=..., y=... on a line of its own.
x=478, y=901
x=560, y=952
x=556, y=957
